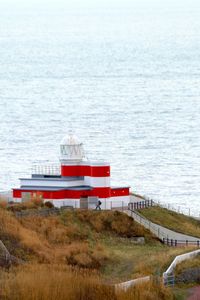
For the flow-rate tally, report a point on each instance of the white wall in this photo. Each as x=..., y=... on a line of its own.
x=17, y=200
x=97, y=181
x=119, y=201
x=46, y=182
x=107, y=203
x=65, y=202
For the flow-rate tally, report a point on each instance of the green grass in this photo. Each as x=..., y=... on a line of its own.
x=131, y=261
x=188, y=264
x=180, y=293
x=172, y=220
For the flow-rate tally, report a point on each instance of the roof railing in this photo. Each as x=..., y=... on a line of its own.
x=46, y=169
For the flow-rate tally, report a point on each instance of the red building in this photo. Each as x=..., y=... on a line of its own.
x=76, y=182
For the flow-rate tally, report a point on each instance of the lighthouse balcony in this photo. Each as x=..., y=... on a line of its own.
x=46, y=169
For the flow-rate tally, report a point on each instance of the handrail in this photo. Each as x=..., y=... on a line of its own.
x=157, y=231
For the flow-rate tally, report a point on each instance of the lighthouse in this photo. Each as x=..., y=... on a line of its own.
x=75, y=181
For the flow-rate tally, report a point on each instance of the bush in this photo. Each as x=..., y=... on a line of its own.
x=48, y=204
x=118, y=222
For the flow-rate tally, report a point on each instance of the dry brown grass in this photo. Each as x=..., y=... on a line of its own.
x=94, y=240
x=152, y=290
x=49, y=240
x=3, y=203
x=56, y=282
x=116, y=222
x=53, y=282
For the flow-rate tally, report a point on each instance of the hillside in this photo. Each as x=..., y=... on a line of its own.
x=98, y=246
x=172, y=220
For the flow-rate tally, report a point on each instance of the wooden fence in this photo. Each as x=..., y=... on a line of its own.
x=176, y=243
x=140, y=204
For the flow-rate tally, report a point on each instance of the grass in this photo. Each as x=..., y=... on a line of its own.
x=130, y=261
x=188, y=264
x=89, y=248
x=57, y=282
x=181, y=292
x=172, y=220
x=89, y=240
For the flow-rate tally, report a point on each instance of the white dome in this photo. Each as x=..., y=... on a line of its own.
x=71, y=149
x=70, y=139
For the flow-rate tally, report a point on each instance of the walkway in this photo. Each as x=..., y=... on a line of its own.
x=160, y=231
x=194, y=293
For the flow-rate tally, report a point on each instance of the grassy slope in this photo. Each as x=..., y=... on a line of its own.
x=172, y=220
x=87, y=239
x=54, y=246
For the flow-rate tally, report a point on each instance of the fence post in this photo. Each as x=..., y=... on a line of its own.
x=175, y=242
x=186, y=242
x=171, y=242
x=198, y=243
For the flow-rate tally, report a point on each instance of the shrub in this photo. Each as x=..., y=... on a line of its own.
x=118, y=222
x=83, y=256
x=48, y=204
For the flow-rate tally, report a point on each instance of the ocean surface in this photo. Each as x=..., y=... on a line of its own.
x=123, y=76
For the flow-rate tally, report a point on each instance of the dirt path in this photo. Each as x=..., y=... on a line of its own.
x=194, y=293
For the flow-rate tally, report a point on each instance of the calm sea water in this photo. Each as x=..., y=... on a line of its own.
x=124, y=77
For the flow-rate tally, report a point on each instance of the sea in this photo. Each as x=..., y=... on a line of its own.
x=124, y=76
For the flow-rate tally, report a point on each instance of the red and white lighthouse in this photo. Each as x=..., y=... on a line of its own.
x=76, y=181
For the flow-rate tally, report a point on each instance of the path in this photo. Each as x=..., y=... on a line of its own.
x=194, y=293
x=158, y=230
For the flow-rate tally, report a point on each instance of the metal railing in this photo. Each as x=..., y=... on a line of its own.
x=46, y=169
x=176, y=208
x=158, y=231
